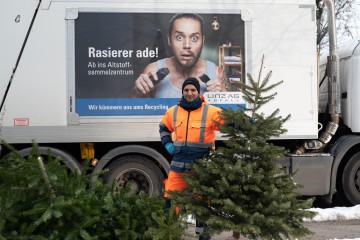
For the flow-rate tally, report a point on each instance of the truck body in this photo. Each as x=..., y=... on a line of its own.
x=67, y=68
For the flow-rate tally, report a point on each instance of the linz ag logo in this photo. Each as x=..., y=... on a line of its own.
x=226, y=97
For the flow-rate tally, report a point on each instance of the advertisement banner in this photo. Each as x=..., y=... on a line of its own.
x=135, y=63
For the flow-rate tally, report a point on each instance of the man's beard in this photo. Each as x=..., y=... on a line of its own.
x=190, y=63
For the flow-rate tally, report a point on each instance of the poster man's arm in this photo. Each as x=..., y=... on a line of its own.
x=218, y=84
x=143, y=84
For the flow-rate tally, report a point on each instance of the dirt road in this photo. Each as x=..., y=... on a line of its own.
x=348, y=229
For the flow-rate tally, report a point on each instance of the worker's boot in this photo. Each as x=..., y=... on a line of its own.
x=199, y=229
x=204, y=238
x=167, y=203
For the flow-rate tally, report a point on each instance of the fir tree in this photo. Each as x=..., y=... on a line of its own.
x=240, y=187
x=41, y=199
x=171, y=225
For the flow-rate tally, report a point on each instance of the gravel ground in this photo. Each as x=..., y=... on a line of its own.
x=349, y=229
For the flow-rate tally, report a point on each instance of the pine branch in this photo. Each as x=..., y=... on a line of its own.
x=46, y=178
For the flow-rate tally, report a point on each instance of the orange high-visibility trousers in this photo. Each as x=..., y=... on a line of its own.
x=174, y=182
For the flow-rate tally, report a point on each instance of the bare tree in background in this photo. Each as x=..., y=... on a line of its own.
x=346, y=12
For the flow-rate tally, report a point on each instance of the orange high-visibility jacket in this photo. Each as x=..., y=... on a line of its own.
x=193, y=133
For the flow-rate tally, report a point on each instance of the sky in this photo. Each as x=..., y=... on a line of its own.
x=348, y=25
x=354, y=22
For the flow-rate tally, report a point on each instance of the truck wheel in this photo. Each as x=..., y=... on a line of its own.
x=351, y=179
x=65, y=157
x=136, y=172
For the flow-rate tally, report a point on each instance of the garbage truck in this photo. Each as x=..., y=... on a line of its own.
x=68, y=69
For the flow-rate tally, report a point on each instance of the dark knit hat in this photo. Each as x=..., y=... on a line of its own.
x=192, y=81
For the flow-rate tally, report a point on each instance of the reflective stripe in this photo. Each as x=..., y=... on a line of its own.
x=202, y=130
x=180, y=164
x=163, y=134
x=194, y=144
x=203, y=123
x=174, y=118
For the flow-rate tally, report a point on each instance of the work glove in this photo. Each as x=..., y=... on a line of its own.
x=170, y=148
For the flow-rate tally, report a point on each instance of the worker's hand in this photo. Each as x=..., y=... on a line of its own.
x=170, y=148
x=216, y=85
x=143, y=84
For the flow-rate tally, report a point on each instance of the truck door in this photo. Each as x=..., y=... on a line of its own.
x=15, y=17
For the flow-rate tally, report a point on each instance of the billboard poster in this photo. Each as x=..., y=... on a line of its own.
x=118, y=56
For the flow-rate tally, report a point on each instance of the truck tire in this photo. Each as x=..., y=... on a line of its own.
x=65, y=157
x=351, y=179
x=136, y=172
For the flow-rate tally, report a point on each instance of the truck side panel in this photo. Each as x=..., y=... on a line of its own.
x=313, y=172
x=39, y=102
x=15, y=21
x=37, y=96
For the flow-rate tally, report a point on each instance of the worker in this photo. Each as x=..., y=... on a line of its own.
x=187, y=131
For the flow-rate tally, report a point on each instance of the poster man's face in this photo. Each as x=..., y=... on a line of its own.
x=186, y=41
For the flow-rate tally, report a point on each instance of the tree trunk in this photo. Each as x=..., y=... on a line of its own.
x=236, y=235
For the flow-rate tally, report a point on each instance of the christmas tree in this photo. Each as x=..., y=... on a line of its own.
x=241, y=186
x=41, y=199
